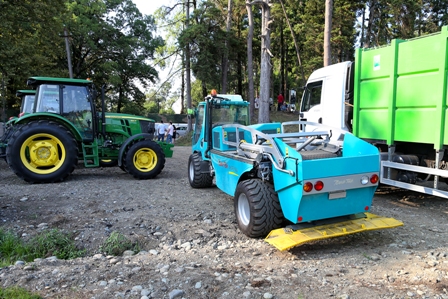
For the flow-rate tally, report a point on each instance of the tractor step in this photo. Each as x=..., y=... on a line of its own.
x=90, y=154
x=291, y=236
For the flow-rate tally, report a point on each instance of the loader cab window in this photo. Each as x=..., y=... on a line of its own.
x=199, y=123
x=312, y=96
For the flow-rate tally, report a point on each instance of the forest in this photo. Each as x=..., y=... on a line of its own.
x=204, y=45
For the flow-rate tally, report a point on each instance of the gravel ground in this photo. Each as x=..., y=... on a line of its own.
x=193, y=249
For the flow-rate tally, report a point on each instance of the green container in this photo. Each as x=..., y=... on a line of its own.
x=401, y=91
x=167, y=148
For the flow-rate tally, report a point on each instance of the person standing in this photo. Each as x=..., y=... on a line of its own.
x=174, y=134
x=169, y=137
x=161, y=130
x=280, y=101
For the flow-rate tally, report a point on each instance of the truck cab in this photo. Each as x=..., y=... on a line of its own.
x=328, y=96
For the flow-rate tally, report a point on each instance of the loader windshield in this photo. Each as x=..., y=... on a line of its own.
x=230, y=114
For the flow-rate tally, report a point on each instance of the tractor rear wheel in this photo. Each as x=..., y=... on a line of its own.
x=42, y=152
x=257, y=208
x=195, y=177
x=144, y=159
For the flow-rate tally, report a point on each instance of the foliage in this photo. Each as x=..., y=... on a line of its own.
x=48, y=243
x=117, y=243
x=17, y=293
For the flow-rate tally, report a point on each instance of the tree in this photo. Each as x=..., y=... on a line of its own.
x=30, y=44
x=112, y=43
x=265, y=77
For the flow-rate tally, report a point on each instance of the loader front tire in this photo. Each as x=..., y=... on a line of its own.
x=257, y=208
x=195, y=177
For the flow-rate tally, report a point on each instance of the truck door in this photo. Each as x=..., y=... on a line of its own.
x=310, y=109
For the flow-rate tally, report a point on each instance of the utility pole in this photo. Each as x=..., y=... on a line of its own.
x=67, y=48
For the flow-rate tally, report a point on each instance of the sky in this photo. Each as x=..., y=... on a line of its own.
x=148, y=7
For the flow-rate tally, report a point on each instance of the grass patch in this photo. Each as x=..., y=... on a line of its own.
x=48, y=243
x=117, y=243
x=17, y=293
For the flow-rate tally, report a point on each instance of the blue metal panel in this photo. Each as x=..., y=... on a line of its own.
x=228, y=171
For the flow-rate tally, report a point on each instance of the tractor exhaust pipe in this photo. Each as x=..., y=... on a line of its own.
x=103, y=112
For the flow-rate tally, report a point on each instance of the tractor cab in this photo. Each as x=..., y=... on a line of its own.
x=27, y=97
x=72, y=99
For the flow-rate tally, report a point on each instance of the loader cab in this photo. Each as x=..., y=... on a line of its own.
x=328, y=96
x=216, y=110
x=69, y=98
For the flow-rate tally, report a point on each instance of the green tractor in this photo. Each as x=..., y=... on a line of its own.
x=44, y=146
x=27, y=97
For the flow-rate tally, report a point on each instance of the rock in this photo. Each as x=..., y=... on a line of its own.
x=128, y=253
x=23, y=199
x=268, y=296
x=198, y=285
x=176, y=294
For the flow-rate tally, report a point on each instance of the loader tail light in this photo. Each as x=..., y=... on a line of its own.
x=374, y=179
x=319, y=185
x=308, y=187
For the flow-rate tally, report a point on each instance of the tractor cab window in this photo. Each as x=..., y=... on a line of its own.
x=312, y=96
x=77, y=109
x=48, y=99
x=27, y=104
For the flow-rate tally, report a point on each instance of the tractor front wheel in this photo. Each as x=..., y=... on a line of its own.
x=42, y=152
x=257, y=208
x=195, y=177
x=144, y=159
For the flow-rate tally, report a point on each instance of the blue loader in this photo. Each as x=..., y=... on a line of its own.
x=289, y=184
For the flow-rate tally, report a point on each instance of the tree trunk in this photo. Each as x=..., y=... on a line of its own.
x=225, y=64
x=369, y=26
x=327, y=31
x=187, y=65
x=265, y=77
x=299, y=61
x=250, y=67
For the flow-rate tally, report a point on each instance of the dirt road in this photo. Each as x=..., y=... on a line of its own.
x=191, y=247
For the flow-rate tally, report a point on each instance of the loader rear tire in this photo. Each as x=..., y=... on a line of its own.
x=257, y=208
x=195, y=177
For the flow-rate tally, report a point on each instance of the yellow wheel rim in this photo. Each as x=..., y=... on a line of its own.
x=145, y=160
x=42, y=153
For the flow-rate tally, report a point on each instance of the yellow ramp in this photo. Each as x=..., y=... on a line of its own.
x=286, y=238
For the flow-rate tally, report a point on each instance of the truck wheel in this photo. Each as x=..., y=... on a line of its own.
x=257, y=208
x=196, y=178
x=144, y=160
x=42, y=152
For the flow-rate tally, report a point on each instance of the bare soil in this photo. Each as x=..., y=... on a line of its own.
x=192, y=248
